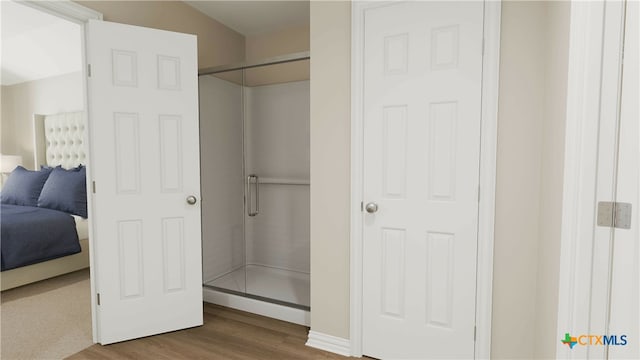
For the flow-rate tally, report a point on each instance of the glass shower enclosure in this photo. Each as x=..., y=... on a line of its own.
x=254, y=129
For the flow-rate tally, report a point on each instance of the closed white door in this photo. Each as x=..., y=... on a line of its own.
x=143, y=113
x=422, y=112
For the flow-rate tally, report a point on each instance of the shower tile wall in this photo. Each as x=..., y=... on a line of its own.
x=277, y=147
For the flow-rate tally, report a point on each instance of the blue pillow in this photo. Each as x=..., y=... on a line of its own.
x=23, y=186
x=66, y=190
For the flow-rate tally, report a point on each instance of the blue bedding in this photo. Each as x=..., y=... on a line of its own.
x=31, y=235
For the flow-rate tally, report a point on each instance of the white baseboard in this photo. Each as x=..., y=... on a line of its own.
x=280, y=312
x=329, y=343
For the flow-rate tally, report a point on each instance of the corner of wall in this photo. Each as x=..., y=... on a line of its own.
x=330, y=43
x=517, y=204
x=556, y=59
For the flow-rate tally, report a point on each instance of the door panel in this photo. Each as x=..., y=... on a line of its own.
x=145, y=156
x=422, y=97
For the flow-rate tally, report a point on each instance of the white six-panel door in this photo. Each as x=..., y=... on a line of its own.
x=422, y=111
x=143, y=111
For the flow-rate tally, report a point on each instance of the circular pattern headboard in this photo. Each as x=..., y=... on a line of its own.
x=60, y=139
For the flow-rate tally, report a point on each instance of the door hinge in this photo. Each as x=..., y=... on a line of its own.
x=474, y=333
x=93, y=186
x=614, y=214
x=98, y=298
x=88, y=70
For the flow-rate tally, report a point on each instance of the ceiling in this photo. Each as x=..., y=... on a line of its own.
x=255, y=17
x=36, y=45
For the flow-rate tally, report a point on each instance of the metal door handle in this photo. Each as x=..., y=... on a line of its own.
x=371, y=207
x=191, y=200
x=250, y=195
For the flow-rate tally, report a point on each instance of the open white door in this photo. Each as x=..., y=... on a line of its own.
x=143, y=113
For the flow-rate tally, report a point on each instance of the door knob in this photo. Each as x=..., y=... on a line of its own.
x=191, y=200
x=371, y=207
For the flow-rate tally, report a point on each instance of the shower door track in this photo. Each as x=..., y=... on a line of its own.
x=258, y=297
x=305, y=55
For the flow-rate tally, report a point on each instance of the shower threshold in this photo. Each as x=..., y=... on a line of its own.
x=278, y=286
x=276, y=293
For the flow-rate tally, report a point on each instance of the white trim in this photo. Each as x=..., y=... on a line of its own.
x=576, y=107
x=580, y=172
x=488, y=148
x=329, y=343
x=65, y=9
x=275, y=311
x=491, y=65
x=357, y=143
x=79, y=14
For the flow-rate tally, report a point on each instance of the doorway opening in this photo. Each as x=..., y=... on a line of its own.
x=44, y=133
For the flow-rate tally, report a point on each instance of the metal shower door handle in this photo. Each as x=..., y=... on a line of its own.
x=250, y=195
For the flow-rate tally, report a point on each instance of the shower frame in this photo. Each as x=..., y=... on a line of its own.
x=246, y=301
x=305, y=55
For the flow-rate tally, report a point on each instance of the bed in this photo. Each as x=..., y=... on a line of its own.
x=58, y=141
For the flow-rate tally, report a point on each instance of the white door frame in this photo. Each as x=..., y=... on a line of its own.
x=582, y=129
x=80, y=15
x=490, y=71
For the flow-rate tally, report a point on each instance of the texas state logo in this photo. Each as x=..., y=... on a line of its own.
x=569, y=340
x=594, y=340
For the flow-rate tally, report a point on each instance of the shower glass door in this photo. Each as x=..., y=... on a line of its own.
x=261, y=115
x=277, y=155
x=222, y=180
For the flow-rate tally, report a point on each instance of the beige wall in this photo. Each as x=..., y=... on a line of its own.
x=330, y=166
x=281, y=42
x=529, y=174
x=217, y=44
x=520, y=117
x=534, y=63
x=556, y=71
x=20, y=101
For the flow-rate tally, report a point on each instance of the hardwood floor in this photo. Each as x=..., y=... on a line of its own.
x=226, y=334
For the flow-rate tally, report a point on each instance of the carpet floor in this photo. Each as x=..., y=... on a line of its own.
x=49, y=319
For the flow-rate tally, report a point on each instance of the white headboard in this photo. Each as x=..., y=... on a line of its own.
x=60, y=139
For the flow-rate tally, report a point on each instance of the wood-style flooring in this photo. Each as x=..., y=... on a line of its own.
x=226, y=334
